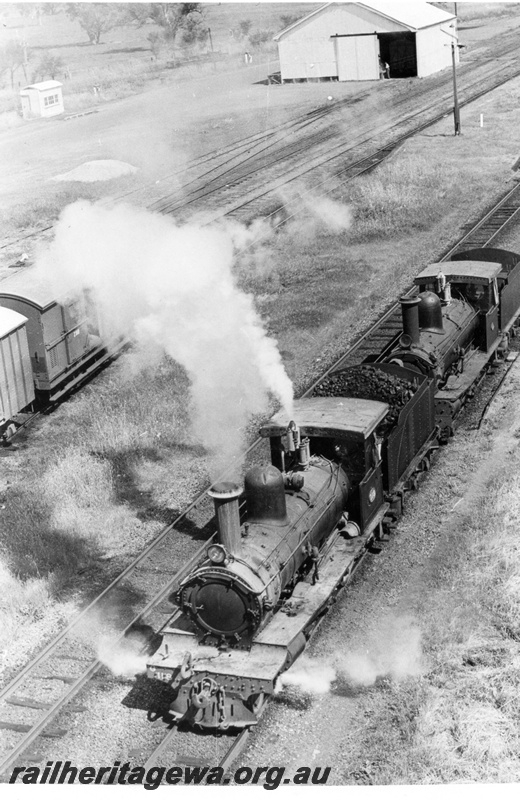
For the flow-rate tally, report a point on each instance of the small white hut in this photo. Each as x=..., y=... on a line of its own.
x=43, y=99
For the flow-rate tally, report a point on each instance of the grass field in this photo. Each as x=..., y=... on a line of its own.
x=458, y=720
x=123, y=63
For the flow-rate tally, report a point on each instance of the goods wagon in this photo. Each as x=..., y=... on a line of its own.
x=16, y=381
x=63, y=337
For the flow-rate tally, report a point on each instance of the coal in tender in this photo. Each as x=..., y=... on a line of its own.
x=369, y=383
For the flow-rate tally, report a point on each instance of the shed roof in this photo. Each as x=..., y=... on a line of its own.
x=413, y=16
x=9, y=321
x=326, y=416
x=462, y=271
x=29, y=285
x=43, y=86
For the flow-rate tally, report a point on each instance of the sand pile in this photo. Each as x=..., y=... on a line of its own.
x=92, y=171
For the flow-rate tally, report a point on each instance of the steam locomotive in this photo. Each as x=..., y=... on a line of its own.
x=335, y=486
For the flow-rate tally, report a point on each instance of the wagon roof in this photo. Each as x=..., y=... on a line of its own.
x=329, y=416
x=28, y=284
x=10, y=320
x=461, y=271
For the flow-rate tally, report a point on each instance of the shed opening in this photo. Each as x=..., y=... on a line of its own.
x=398, y=50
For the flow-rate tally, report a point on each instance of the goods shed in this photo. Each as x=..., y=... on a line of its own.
x=345, y=42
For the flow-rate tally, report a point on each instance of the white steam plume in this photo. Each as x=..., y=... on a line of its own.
x=124, y=656
x=309, y=675
x=395, y=652
x=157, y=282
x=311, y=213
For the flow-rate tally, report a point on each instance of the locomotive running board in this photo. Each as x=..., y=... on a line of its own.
x=283, y=638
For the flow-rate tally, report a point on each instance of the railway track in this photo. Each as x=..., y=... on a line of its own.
x=50, y=681
x=319, y=152
x=219, y=177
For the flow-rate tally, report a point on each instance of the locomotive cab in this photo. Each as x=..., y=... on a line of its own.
x=342, y=429
x=474, y=282
x=508, y=280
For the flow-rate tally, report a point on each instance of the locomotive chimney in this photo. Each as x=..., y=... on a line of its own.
x=225, y=496
x=410, y=314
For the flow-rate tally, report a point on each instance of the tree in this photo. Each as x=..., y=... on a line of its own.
x=242, y=31
x=156, y=43
x=49, y=66
x=97, y=18
x=13, y=55
x=259, y=38
x=193, y=31
x=244, y=27
x=288, y=19
x=172, y=18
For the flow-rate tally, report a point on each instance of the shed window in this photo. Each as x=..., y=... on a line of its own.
x=51, y=100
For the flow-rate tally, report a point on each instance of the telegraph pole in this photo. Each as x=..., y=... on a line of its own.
x=456, y=110
x=212, y=51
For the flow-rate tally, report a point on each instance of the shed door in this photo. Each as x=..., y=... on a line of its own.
x=357, y=58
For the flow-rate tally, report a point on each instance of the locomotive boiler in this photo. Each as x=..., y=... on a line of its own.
x=231, y=595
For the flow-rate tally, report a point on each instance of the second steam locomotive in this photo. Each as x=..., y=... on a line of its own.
x=335, y=486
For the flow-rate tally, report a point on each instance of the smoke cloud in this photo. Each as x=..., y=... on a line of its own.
x=161, y=284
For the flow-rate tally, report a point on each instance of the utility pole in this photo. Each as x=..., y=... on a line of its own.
x=212, y=51
x=456, y=110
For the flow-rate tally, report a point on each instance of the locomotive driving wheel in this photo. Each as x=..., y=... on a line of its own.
x=256, y=702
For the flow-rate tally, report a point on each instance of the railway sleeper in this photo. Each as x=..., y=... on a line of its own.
x=20, y=727
x=29, y=702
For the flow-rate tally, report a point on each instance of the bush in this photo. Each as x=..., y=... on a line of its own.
x=400, y=198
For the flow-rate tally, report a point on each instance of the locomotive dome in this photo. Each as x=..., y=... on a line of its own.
x=430, y=313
